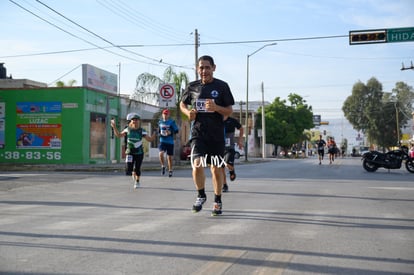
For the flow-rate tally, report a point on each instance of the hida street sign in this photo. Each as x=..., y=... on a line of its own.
x=167, y=95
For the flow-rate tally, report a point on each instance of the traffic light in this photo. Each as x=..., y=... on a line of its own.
x=367, y=37
x=324, y=132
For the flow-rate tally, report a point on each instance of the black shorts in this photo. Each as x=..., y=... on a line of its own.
x=208, y=148
x=166, y=147
x=229, y=156
x=321, y=152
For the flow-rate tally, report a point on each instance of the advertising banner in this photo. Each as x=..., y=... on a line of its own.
x=39, y=125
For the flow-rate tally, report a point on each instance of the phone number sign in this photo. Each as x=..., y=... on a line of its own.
x=30, y=155
x=167, y=95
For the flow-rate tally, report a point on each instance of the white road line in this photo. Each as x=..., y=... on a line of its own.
x=393, y=188
x=221, y=263
x=276, y=263
x=65, y=225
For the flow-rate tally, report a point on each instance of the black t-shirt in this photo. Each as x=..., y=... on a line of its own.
x=231, y=124
x=321, y=144
x=208, y=124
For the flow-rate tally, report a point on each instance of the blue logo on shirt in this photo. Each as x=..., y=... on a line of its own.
x=214, y=93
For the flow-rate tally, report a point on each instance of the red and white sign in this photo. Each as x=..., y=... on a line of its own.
x=167, y=95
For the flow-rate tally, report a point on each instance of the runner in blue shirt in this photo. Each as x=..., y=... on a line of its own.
x=166, y=129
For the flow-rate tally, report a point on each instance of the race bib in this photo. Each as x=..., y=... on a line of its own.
x=201, y=106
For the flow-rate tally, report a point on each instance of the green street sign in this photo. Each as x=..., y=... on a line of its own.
x=400, y=35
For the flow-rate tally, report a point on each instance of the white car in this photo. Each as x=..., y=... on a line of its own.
x=239, y=152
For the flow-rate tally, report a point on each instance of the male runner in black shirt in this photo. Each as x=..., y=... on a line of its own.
x=230, y=126
x=206, y=102
x=321, y=148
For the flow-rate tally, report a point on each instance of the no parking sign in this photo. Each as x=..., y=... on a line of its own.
x=167, y=95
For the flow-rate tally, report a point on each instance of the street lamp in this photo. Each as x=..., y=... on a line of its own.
x=246, y=143
x=394, y=100
x=398, y=126
x=263, y=125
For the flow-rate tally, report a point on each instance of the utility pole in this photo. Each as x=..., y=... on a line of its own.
x=196, y=44
x=397, y=122
x=263, y=125
x=119, y=78
x=241, y=103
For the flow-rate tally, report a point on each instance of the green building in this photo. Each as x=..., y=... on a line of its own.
x=69, y=125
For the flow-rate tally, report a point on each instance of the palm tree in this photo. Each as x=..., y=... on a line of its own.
x=146, y=90
x=147, y=85
x=61, y=83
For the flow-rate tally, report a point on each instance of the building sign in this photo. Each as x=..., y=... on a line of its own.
x=39, y=125
x=317, y=120
x=95, y=78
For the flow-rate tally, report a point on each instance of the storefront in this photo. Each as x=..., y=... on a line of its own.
x=68, y=125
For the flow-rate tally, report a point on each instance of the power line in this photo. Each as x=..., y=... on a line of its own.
x=63, y=75
x=158, y=62
x=122, y=47
x=102, y=38
x=71, y=34
x=54, y=52
x=238, y=42
x=155, y=45
x=132, y=15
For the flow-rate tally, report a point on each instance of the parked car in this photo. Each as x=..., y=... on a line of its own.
x=363, y=150
x=359, y=151
x=239, y=151
x=185, y=152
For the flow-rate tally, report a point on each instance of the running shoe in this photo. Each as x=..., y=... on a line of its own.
x=216, y=209
x=232, y=175
x=170, y=174
x=136, y=185
x=225, y=188
x=198, y=205
x=163, y=170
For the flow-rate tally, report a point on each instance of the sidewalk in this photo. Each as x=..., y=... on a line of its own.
x=109, y=167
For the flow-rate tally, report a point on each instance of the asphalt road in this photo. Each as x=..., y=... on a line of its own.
x=280, y=217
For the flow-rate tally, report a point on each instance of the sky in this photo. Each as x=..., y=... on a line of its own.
x=48, y=40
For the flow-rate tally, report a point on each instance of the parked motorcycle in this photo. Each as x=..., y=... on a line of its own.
x=373, y=160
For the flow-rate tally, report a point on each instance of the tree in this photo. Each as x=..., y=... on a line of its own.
x=146, y=90
x=375, y=112
x=405, y=97
x=147, y=85
x=285, y=124
x=61, y=83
